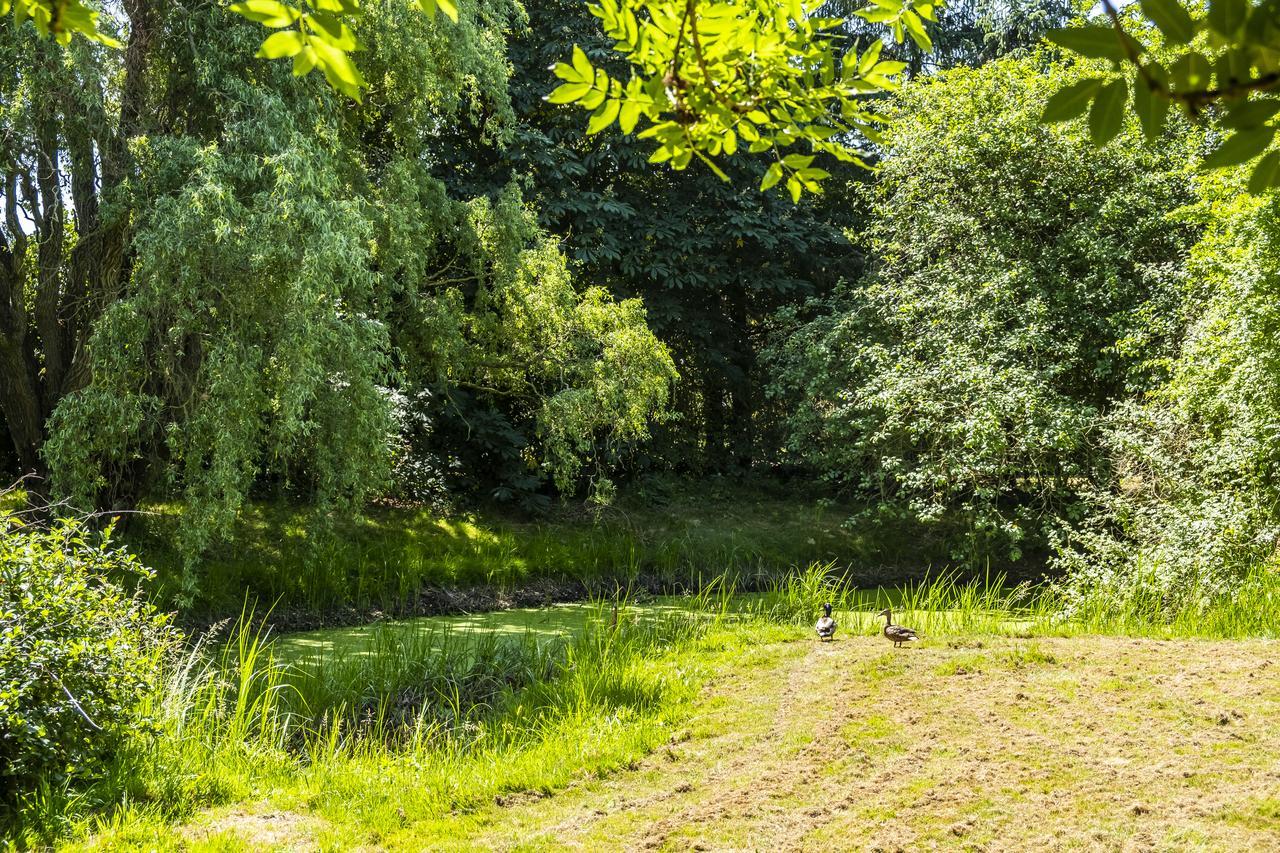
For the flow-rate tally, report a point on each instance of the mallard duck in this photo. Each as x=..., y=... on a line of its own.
x=896, y=633
x=826, y=626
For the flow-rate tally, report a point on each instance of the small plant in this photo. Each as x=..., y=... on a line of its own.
x=77, y=650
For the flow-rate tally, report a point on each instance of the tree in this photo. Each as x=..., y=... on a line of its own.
x=710, y=261
x=253, y=273
x=959, y=384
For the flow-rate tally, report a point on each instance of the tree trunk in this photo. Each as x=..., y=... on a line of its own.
x=20, y=402
x=51, y=309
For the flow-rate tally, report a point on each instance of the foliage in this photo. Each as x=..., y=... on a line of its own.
x=77, y=650
x=706, y=75
x=1219, y=57
x=709, y=261
x=1191, y=510
x=960, y=384
x=967, y=32
x=267, y=275
x=315, y=35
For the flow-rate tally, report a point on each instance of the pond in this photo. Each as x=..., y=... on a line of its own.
x=548, y=623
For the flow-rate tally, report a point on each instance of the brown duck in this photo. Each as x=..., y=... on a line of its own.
x=896, y=633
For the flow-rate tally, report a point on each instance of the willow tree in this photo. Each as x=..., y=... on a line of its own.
x=215, y=271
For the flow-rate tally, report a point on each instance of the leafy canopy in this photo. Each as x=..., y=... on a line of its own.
x=705, y=76
x=1222, y=57
x=708, y=76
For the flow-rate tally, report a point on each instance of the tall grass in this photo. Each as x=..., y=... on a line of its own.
x=1249, y=608
x=446, y=720
x=947, y=605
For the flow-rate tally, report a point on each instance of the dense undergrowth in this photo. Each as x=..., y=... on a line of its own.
x=393, y=558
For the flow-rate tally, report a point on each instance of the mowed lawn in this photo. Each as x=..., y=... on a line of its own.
x=1086, y=743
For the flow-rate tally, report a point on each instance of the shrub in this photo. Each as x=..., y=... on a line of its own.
x=77, y=652
x=1019, y=282
x=1192, y=511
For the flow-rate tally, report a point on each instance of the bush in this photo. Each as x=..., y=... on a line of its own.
x=1192, y=511
x=1018, y=289
x=77, y=652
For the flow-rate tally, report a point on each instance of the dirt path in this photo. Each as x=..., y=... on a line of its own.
x=1065, y=744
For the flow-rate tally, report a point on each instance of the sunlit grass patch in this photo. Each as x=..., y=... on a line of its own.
x=876, y=735
x=412, y=726
x=281, y=554
x=963, y=664
x=1257, y=813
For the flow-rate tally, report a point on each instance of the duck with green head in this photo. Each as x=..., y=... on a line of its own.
x=826, y=626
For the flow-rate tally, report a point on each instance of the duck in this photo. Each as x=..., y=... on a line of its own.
x=896, y=633
x=826, y=626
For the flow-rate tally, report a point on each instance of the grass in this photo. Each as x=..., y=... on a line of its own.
x=416, y=710
x=401, y=732
x=279, y=556
x=997, y=742
x=949, y=605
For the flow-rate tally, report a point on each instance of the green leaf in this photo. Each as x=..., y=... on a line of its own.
x=568, y=73
x=304, y=62
x=338, y=69
x=1093, y=41
x=269, y=13
x=1241, y=147
x=1071, y=101
x=1151, y=106
x=1266, y=175
x=793, y=184
x=1227, y=16
x=1246, y=114
x=603, y=117
x=870, y=57
x=281, y=44
x=915, y=27
x=331, y=29
x=568, y=93
x=582, y=65
x=1107, y=116
x=599, y=91
x=1171, y=18
x=771, y=177
x=449, y=7
x=1191, y=72
x=628, y=116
